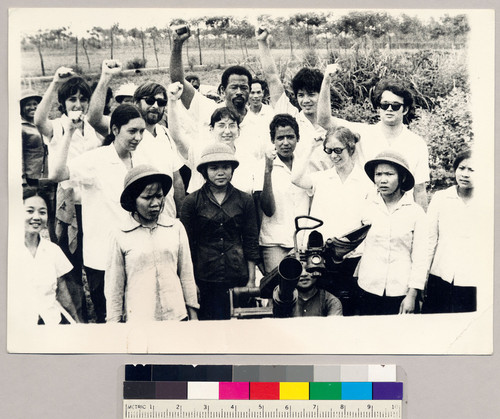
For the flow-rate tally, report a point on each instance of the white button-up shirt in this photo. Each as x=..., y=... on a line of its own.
x=338, y=204
x=40, y=273
x=395, y=252
x=100, y=173
x=453, y=238
x=150, y=274
x=290, y=200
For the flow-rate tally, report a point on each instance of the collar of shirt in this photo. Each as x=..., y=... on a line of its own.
x=406, y=199
x=311, y=296
x=206, y=189
x=279, y=163
x=131, y=223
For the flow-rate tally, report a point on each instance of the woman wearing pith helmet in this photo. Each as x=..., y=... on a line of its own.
x=149, y=276
x=221, y=224
x=394, y=263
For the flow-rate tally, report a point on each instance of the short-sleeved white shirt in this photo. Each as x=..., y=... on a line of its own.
x=291, y=201
x=40, y=273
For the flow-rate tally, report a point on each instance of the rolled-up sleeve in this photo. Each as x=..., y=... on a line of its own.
x=114, y=283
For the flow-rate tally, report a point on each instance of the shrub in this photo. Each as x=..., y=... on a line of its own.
x=447, y=130
x=136, y=63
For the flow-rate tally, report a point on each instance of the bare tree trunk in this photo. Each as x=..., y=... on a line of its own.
x=199, y=44
x=143, y=49
x=112, y=44
x=241, y=47
x=291, y=46
x=84, y=45
x=39, y=48
x=156, y=51
x=224, y=48
x=76, y=50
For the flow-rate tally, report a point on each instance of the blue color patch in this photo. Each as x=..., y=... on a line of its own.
x=356, y=391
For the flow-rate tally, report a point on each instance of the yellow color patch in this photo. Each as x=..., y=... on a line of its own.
x=294, y=391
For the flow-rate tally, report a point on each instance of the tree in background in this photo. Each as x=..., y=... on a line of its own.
x=218, y=27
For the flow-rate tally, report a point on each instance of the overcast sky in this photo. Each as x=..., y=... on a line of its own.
x=80, y=20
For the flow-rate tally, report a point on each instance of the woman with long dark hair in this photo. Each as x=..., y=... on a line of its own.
x=100, y=174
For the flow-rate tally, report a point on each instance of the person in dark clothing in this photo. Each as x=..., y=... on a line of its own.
x=221, y=224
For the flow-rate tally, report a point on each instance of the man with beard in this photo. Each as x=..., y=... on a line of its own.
x=156, y=147
x=235, y=90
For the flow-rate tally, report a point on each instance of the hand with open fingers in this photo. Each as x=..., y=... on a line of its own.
x=62, y=74
x=261, y=33
x=174, y=91
x=111, y=67
x=331, y=69
x=407, y=305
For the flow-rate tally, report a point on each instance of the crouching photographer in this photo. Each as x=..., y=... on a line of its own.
x=299, y=285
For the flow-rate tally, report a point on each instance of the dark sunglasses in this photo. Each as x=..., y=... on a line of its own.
x=151, y=101
x=394, y=106
x=336, y=150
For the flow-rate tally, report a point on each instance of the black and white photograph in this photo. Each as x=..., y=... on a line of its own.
x=251, y=181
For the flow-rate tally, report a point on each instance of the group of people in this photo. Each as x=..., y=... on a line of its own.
x=165, y=222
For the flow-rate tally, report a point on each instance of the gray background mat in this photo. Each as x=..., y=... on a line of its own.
x=89, y=386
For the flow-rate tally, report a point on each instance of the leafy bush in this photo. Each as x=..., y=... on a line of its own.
x=447, y=130
x=136, y=63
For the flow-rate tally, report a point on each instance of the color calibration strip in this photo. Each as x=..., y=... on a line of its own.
x=226, y=382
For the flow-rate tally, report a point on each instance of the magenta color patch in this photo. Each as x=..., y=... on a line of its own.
x=234, y=391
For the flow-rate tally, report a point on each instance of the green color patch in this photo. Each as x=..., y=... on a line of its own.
x=325, y=391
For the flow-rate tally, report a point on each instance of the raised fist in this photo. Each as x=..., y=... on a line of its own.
x=62, y=74
x=181, y=33
x=111, y=67
x=261, y=33
x=174, y=91
x=331, y=69
x=270, y=155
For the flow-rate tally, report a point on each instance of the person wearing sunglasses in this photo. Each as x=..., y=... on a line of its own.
x=156, y=148
x=394, y=104
x=338, y=198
